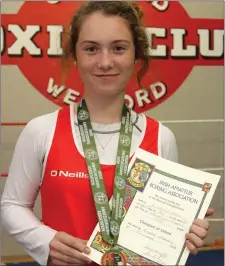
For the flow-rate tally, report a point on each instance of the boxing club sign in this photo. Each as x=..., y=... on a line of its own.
x=31, y=40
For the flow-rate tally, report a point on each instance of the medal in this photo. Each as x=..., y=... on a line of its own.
x=109, y=220
x=113, y=257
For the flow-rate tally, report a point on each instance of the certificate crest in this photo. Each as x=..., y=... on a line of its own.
x=139, y=175
x=206, y=187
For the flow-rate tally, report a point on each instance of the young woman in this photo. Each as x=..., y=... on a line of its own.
x=51, y=155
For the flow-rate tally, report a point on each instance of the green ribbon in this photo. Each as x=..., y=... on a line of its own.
x=109, y=220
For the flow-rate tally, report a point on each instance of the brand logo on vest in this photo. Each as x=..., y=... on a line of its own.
x=61, y=173
x=31, y=40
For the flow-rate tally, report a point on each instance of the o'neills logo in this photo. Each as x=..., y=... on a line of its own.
x=31, y=40
x=61, y=173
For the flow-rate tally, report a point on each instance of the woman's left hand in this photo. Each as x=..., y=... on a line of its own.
x=198, y=232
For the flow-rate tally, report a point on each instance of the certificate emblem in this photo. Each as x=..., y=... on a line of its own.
x=139, y=175
x=113, y=257
x=206, y=187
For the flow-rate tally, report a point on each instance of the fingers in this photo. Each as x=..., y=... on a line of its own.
x=67, y=250
x=195, y=240
x=198, y=231
x=65, y=253
x=83, y=241
x=191, y=247
x=201, y=223
x=67, y=260
x=74, y=242
x=197, y=234
x=209, y=212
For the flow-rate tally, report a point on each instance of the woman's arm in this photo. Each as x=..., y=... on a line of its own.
x=21, y=190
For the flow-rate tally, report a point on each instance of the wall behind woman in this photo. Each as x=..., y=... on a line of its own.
x=188, y=99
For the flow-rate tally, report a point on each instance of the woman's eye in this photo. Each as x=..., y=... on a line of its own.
x=119, y=49
x=91, y=49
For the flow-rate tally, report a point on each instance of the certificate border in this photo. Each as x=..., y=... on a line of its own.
x=129, y=201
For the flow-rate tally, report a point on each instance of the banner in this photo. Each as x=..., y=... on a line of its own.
x=31, y=39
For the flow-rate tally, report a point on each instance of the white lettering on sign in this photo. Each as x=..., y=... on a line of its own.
x=24, y=40
x=55, y=91
x=206, y=40
x=178, y=49
x=160, y=5
x=160, y=50
x=142, y=96
x=71, y=96
x=2, y=39
x=55, y=46
x=129, y=100
x=53, y=2
x=158, y=89
x=210, y=43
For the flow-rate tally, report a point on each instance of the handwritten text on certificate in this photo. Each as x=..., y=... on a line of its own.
x=158, y=218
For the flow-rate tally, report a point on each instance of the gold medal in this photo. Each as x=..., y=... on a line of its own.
x=113, y=257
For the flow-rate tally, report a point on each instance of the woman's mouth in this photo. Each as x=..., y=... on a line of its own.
x=107, y=76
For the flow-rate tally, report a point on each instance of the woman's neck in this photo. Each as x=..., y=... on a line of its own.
x=105, y=110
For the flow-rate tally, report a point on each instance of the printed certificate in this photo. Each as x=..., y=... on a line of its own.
x=162, y=200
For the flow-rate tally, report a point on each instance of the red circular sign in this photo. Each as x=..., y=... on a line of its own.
x=44, y=71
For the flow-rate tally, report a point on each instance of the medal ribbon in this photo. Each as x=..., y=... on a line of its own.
x=109, y=220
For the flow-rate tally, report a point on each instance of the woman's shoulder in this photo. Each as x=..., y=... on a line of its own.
x=42, y=122
x=39, y=131
x=167, y=143
x=165, y=132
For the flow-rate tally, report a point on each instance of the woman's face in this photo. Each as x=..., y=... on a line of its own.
x=105, y=54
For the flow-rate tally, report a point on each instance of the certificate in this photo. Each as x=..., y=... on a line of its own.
x=162, y=200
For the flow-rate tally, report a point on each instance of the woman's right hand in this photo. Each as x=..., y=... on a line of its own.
x=66, y=249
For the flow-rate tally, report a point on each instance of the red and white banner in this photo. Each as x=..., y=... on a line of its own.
x=31, y=40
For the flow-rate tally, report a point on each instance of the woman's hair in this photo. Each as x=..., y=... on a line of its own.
x=129, y=11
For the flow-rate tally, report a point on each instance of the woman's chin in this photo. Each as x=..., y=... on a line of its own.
x=108, y=91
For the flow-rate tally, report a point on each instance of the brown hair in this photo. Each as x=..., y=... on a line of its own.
x=129, y=11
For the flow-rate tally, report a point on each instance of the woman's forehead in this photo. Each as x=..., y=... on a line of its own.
x=98, y=26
